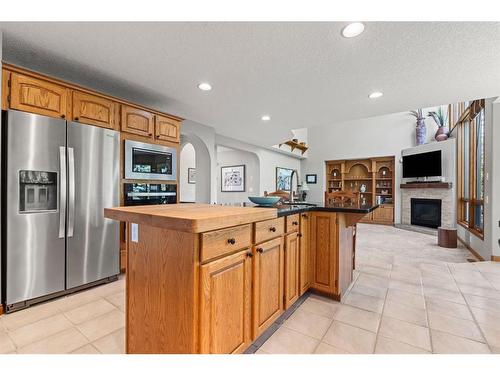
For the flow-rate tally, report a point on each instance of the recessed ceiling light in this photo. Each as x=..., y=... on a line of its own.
x=265, y=118
x=205, y=86
x=353, y=29
x=375, y=95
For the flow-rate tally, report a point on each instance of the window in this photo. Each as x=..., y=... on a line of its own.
x=470, y=141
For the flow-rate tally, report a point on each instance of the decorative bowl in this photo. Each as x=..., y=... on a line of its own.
x=265, y=201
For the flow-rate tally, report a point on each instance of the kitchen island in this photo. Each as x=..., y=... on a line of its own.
x=211, y=279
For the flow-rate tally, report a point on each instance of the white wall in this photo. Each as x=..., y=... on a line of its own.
x=494, y=178
x=268, y=161
x=229, y=157
x=187, y=191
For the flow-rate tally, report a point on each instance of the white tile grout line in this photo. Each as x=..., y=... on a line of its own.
x=471, y=313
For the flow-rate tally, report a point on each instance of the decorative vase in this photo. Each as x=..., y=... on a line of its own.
x=442, y=133
x=421, y=131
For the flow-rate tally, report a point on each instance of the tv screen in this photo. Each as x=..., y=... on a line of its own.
x=427, y=164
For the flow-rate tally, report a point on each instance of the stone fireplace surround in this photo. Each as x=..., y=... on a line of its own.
x=441, y=191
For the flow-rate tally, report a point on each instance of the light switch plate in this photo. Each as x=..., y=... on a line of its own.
x=134, y=232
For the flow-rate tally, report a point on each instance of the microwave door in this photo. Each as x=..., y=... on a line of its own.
x=144, y=161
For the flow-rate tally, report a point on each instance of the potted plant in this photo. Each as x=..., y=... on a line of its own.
x=421, y=130
x=441, y=119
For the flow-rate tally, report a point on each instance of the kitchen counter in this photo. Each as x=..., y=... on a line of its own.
x=287, y=209
x=212, y=279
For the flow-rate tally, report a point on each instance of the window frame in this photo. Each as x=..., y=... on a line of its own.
x=469, y=115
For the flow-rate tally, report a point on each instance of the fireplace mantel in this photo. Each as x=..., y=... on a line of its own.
x=427, y=185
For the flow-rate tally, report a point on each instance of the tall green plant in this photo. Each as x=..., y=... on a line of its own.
x=440, y=117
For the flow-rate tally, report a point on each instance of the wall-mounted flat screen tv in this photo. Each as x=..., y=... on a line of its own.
x=425, y=164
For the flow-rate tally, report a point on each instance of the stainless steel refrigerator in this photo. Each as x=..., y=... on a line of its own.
x=58, y=176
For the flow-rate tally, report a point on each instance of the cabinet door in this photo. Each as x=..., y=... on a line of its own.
x=225, y=315
x=304, y=253
x=291, y=269
x=167, y=129
x=384, y=214
x=137, y=121
x=38, y=96
x=93, y=110
x=324, y=245
x=268, y=284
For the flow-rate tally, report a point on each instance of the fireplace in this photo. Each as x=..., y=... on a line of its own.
x=426, y=212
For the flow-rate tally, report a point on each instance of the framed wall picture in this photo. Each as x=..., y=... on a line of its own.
x=283, y=178
x=232, y=178
x=191, y=175
x=311, y=178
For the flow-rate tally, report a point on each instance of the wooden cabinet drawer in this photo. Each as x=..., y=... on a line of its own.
x=265, y=230
x=292, y=223
x=37, y=96
x=225, y=241
x=93, y=110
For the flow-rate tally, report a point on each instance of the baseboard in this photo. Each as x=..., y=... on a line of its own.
x=474, y=252
x=495, y=258
x=1, y=309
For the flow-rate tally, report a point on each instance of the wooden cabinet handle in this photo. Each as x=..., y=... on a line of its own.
x=231, y=241
x=272, y=229
x=260, y=250
x=249, y=255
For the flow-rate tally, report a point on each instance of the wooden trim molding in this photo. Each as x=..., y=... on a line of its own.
x=474, y=252
x=1, y=309
x=427, y=185
x=495, y=258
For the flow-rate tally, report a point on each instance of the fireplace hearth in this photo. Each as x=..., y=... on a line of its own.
x=426, y=212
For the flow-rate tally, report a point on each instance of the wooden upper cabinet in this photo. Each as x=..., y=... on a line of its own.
x=225, y=315
x=137, y=121
x=37, y=96
x=324, y=246
x=291, y=269
x=93, y=110
x=167, y=129
x=305, y=253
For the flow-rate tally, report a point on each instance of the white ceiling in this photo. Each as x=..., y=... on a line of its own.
x=302, y=74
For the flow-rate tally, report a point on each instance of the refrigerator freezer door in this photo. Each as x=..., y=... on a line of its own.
x=34, y=249
x=92, y=251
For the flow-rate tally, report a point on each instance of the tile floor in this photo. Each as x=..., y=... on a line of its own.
x=89, y=322
x=409, y=296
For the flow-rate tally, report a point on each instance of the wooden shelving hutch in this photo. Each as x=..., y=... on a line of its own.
x=376, y=174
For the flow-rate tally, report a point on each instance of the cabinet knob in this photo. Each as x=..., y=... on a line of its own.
x=76, y=118
x=63, y=116
x=158, y=136
x=150, y=134
x=272, y=229
x=231, y=241
x=295, y=223
x=304, y=216
x=299, y=235
x=260, y=250
x=249, y=255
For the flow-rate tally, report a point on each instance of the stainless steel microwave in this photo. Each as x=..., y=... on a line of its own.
x=146, y=161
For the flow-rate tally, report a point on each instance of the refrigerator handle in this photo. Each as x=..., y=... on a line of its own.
x=62, y=191
x=71, y=191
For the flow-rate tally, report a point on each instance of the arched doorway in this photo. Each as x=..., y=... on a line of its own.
x=187, y=174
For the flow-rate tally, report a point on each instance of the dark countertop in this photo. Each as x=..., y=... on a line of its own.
x=285, y=209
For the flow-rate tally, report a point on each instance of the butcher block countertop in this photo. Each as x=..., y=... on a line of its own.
x=189, y=217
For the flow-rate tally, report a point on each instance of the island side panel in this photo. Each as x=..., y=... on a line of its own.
x=162, y=291
x=346, y=249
